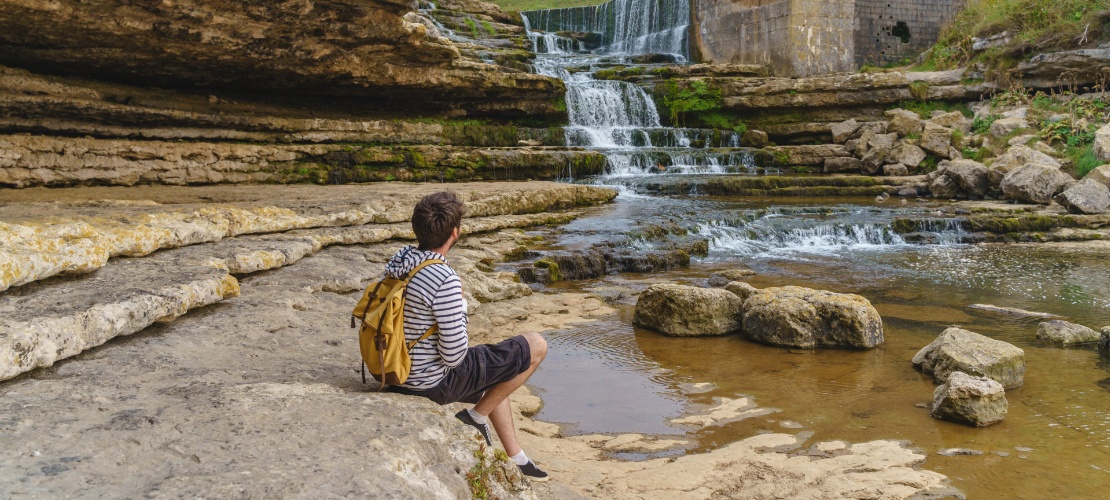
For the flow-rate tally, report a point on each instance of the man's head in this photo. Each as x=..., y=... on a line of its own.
x=435, y=218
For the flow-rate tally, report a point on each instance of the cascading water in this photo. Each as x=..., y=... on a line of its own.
x=617, y=117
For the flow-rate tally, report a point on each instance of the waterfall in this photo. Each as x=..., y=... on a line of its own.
x=627, y=27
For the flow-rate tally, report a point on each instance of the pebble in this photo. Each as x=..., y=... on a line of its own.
x=951, y=452
x=1023, y=448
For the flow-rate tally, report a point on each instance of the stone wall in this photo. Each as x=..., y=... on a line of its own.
x=798, y=38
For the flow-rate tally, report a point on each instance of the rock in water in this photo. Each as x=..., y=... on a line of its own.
x=793, y=316
x=742, y=289
x=1064, y=334
x=1032, y=183
x=687, y=311
x=1087, y=196
x=960, y=350
x=1104, y=341
x=978, y=401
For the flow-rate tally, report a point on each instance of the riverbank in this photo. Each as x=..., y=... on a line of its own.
x=259, y=394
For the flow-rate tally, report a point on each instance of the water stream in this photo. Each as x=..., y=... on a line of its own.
x=611, y=377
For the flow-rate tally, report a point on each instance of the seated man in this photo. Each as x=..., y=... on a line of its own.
x=444, y=370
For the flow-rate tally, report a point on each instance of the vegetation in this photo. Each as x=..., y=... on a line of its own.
x=523, y=5
x=488, y=470
x=1035, y=25
x=925, y=109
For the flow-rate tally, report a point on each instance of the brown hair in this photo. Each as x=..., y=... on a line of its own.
x=434, y=217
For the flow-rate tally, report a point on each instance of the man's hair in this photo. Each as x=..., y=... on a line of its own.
x=434, y=217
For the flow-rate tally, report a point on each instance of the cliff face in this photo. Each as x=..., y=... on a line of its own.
x=372, y=55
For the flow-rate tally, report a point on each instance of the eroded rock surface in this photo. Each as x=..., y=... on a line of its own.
x=958, y=350
x=686, y=311
x=977, y=401
x=1064, y=334
x=794, y=316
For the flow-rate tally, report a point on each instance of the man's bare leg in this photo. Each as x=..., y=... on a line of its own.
x=495, y=402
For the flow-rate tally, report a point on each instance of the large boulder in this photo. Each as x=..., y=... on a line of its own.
x=1100, y=175
x=970, y=175
x=1087, y=196
x=907, y=154
x=944, y=186
x=882, y=141
x=1102, y=143
x=953, y=120
x=873, y=160
x=959, y=350
x=904, y=122
x=977, y=401
x=1015, y=157
x=1006, y=126
x=742, y=289
x=794, y=316
x=896, y=170
x=687, y=311
x=1064, y=334
x=936, y=139
x=1033, y=183
x=843, y=131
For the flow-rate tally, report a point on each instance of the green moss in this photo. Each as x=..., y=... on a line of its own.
x=1085, y=160
x=550, y=265
x=920, y=90
x=690, y=96
x=472, y=27
x=489, y=28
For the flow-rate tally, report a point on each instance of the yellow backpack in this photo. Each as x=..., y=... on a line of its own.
x=381, y=339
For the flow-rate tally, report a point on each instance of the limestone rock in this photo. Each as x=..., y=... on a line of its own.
x=741, y=289
x=1087, y=196
x=686, y=311
x=1104, y=341
x=43, y=323
x=1015, y=157
x=905, y=122
x=896, y=170
x=722, y=278
x=1071, y=67
x=873, y=161
x=1005, y=126
x=1100, y=174
x=1033, y=183
x=1063, y=334
x=794, y=316
x=944, y=186
x=754, y=139
x=907, y=154
x=977, y=401
x=958, y=350
x=970, y=175
x=846, y=164
x=953, y=120
x=936, y=139
x=843, y=131
x=809, y=154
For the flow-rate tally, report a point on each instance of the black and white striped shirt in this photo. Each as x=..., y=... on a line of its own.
x=434, y=296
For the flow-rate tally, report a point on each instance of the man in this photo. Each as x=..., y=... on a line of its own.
x=444, y=370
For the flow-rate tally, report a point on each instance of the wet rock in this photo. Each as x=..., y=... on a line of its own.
x=846, y=164
x=936, y=139
x=959, y=350
x=1011, y=311
x=722, y=278
x=1015, y=157
x=686, y=311
x=843, y=131
x=1100, y=175
x=802, y=317
x=970, y=175
x=1063, y=334
x=953, y=120
x=1104, y=341
x=754, y=139
x=741, y=289
x=559, y=266
x=1006, y=126
x=905, y=122
x=1033, y=183
x=907, y=154
x=1087, y=196
x=944, y=186
x=955, y=452
x=896, y=169
x=977, y=401
x=908, y=192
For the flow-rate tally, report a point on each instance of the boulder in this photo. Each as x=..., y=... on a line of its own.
x=936, y=139
x=1033, y=183
x=907, y=154
x=944, y=186
x=904, y=122
x=1102, y=143
x=741, y=289
x=864, y=141
x=722, y=278
x=754, y=139
x=882, y=141
x=1100, y=174
x=794, y=316
x=953, y=120
x=843, y=131
x=1006, y=126
x=908, y=192
x=1063, y=334
x=977, y=401
x=959, y=350
x=896, y=170
x=687, y=311
x=970, y=175
x=1015, y=157
x=1087, y=196
x=1021, y=140
x=1104, y=341
x=842, y=165
x=873, y=161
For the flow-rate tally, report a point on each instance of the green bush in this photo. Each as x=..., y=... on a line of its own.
x=691, y=96
x=1085, y=160
x=982, y=125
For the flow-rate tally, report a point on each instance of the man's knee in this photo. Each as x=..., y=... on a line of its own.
x=537, y=345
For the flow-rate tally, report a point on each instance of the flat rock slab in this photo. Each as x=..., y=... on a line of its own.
x=1012, y=311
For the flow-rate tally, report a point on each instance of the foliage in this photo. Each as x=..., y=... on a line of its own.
x=488, y=469
x=920, y=90
x=930, y=163
x=925, y=109
x=722, y=121
x=472, y=27
x=982, y=124
x=489, y=27
x=977, y=154
x=1072, y=133
x=1034, y=24
x=1084, y=159
x=691, y=96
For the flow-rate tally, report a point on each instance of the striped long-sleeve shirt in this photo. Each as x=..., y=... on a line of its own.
x=434, y=296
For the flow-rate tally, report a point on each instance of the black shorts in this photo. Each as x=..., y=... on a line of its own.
x=484, y=366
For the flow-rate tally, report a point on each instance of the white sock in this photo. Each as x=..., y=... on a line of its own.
x=476, y=416
x=520, y=458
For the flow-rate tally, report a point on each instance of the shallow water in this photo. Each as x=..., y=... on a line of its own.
x=610, y=377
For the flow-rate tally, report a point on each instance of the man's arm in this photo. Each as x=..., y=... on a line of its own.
x=450, y=312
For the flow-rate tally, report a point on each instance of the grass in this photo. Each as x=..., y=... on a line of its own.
x=1036, y=26
x=523, y=5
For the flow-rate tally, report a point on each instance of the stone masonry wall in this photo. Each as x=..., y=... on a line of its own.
x=892, y=30
x=741, y=32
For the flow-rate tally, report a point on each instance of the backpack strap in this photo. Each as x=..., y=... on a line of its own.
x=408, y=278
